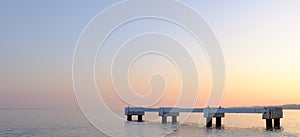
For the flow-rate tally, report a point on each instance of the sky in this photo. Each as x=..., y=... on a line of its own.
x=260, y=40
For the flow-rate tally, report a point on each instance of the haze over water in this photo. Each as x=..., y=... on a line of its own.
x=69, y=122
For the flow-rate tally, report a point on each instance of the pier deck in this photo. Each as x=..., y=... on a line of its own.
x=268, y=113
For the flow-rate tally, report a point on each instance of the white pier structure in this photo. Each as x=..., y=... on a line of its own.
x=270, y=114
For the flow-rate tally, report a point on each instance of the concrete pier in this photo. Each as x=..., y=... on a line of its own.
x=268, y=113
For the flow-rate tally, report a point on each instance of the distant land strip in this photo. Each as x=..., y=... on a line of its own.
x=286, y=106
x=291, y=106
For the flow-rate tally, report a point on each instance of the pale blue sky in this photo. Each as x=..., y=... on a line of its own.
x=258, y=37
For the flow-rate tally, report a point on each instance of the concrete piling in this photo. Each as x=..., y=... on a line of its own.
x=174, y=119
x=273, y=113
x=269, y=125
x=208, y=122
x=135, y=111
x=164, y=119
x=165, y=112
x=140, y=118
x=218, y=122
x=129, y=117
x=210, y=113
x=277, y=123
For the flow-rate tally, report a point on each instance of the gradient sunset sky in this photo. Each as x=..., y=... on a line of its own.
x=260, y=40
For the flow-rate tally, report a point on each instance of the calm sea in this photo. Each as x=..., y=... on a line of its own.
x=71, y=123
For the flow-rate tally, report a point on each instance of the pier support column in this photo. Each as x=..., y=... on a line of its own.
x=210, y=113
x=164, y=119
x=129, y=117
x=218, y=122
x=273, y=113
x=277, y=123
x=269, y=124
x=165, y=112
x=208, y=122
x=129, y=112
x=174, y=119
x=140, y=118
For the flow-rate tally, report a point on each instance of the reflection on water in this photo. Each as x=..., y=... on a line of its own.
x=40, y=122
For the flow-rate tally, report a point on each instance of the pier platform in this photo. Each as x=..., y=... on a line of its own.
x=270, y=114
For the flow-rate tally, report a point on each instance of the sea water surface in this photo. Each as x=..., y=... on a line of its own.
x=72, y=123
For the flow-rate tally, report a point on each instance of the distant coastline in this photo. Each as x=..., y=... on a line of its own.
x=291, y=106
x=286, y=106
